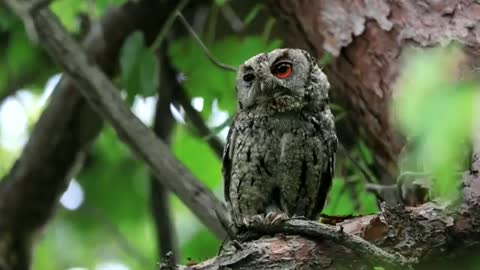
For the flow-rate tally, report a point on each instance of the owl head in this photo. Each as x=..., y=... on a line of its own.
x=281, y=80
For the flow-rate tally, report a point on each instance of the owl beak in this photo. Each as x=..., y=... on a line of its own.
x=265, y=85
x=262, y=86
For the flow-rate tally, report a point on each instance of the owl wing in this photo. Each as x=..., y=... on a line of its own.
x=227, y=161
x=326, y=131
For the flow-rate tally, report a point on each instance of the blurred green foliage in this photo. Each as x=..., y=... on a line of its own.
x=139, y=70
x=113, y=224
x=435, y=110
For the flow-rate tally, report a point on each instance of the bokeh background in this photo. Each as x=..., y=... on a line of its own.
x=104, y=221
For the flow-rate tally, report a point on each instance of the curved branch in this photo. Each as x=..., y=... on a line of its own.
x=203, y=47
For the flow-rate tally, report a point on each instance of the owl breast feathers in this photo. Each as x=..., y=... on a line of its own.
x=279, y=158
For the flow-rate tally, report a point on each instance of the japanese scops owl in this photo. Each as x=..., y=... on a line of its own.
x=280, y=153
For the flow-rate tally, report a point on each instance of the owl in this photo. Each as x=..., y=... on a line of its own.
x=278, y=162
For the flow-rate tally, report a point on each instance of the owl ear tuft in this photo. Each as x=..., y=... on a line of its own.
x=310, y=58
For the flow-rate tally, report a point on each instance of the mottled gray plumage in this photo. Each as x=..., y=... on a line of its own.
x=279, y=157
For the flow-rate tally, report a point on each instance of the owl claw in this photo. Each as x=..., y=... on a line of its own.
x=274, y=218
x=253, y=220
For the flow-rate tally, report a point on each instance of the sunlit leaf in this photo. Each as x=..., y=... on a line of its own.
x=198, y=157
x=67, y=11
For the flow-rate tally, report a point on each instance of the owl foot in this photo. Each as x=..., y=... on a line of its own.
x=252, y=221
x=274, y=218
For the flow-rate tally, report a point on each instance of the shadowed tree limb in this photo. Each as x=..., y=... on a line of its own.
x=106, y=100
x=163, y=125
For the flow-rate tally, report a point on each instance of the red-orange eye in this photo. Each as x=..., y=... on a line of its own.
x=282, y=70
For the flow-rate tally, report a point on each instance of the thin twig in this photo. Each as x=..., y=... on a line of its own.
x=167, y=25
x=203, y=47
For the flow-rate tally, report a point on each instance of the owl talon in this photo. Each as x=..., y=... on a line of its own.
x=274, y=218
x=253, y=220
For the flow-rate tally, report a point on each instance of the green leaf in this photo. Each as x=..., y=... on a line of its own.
x=198, y=157
x=20, y=53
x=365, y=152
x=340, y=202
x=139, y=70
x=435, y=111
x=148, y=74
x=67, y=11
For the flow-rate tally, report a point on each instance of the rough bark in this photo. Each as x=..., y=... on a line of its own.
x=366, y=39
x=431, y=236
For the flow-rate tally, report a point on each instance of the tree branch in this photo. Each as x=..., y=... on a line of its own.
x=315, y=230
x=106, y=100
x=29, y=193
x=430, y=236
x=203, y=47
x=162, y=126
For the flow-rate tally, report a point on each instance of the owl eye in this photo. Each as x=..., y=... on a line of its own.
x=282, y=70
x=248, y=77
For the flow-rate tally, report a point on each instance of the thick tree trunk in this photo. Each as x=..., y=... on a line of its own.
x=366, y=39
